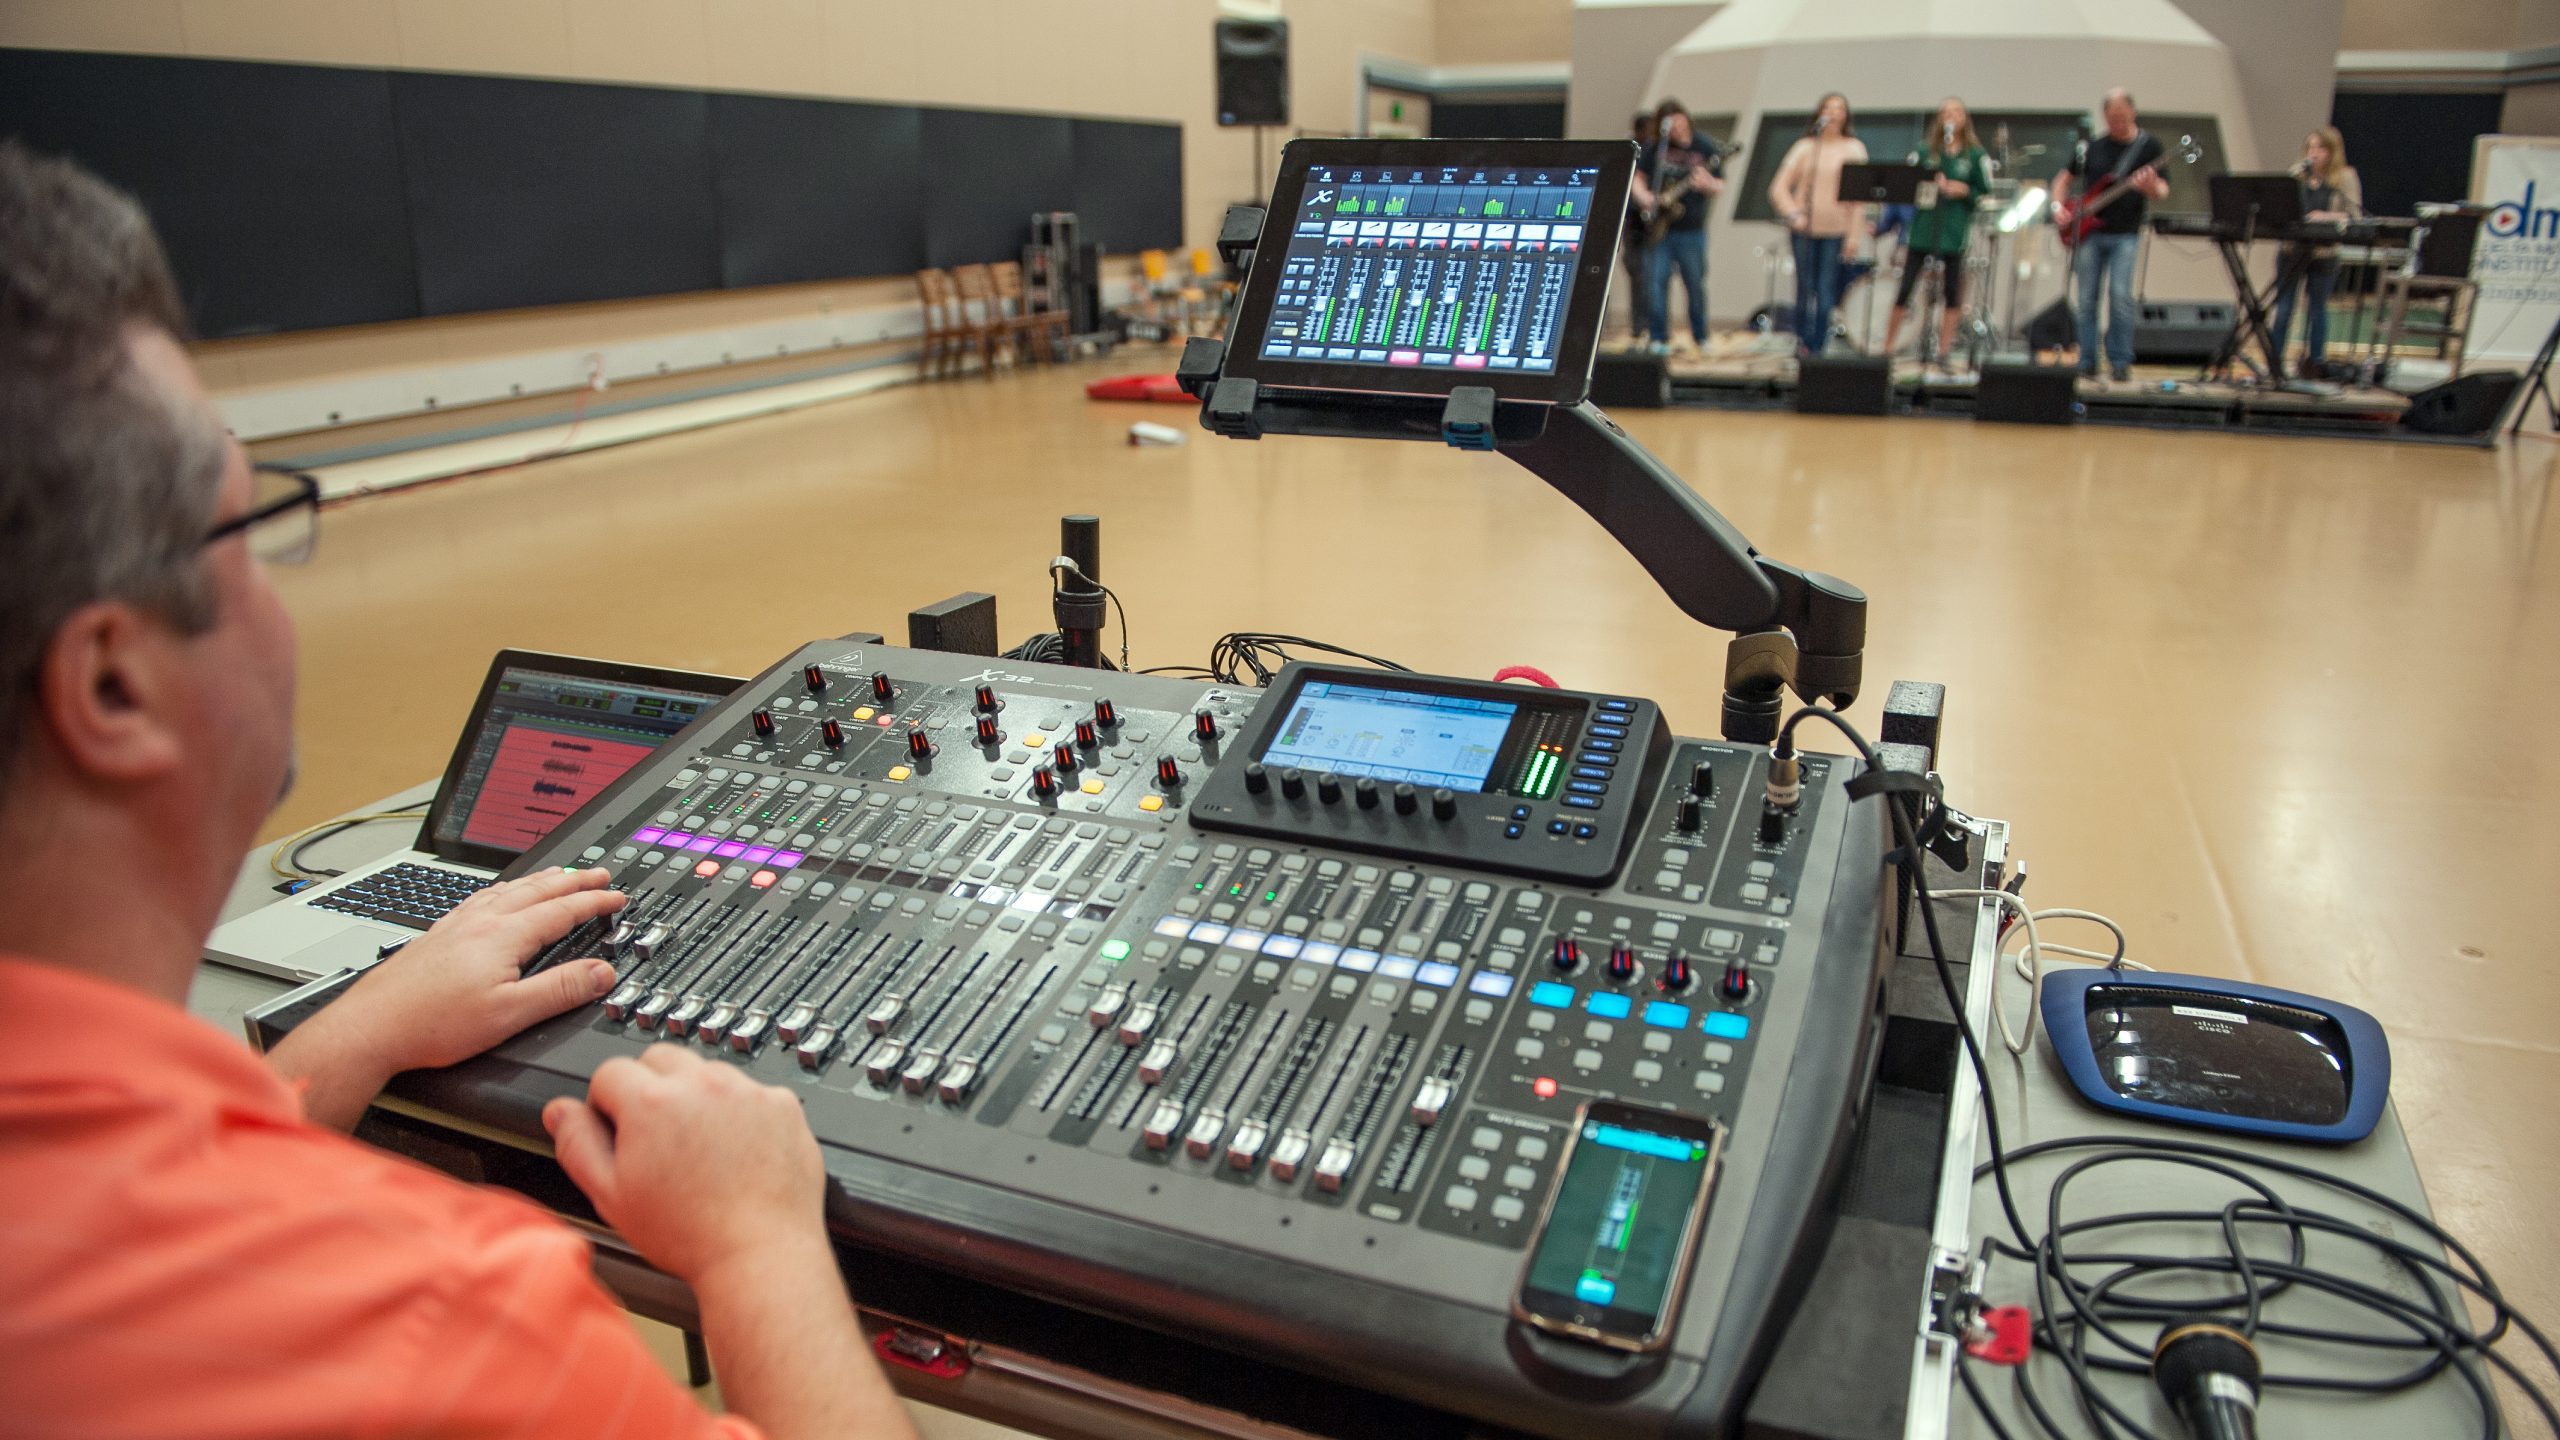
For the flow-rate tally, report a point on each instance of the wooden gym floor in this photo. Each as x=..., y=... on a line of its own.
x=2279, y=706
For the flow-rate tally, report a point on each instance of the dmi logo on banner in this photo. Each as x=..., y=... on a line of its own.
x=2517, y=263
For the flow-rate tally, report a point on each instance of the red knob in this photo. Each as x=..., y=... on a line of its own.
x=1044, y=784
x=1204, y=725
x=1105, y=714
x=1735, y=986
x=1568, y=955
x=1676, y=975
x=1168, y=774
x=987, y=733
x=1064, y=757
x=919, y=745
x=832, y=733
x=815, y=678
x=764, y=723
x=986, y=698
x=881, y=689
x=1622, y=963
x=1085, y=734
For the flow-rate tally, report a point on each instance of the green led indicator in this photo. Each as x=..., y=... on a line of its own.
x=1115, y=950
x=1270, y=894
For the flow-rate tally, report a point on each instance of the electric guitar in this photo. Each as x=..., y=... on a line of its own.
x=1671, y=201
x=2076, y=221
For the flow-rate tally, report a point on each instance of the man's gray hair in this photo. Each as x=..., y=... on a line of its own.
x=2116, y=94
x=108, y=479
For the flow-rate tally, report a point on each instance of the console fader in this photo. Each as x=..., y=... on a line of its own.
x=1115, y=988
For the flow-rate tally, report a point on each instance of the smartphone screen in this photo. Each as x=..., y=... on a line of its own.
x=1609, y=1260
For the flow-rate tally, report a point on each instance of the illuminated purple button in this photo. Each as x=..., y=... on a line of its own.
x=648, y=837
x=785, y=859
x=730, y=850
x=758, y=854
x=700, y=842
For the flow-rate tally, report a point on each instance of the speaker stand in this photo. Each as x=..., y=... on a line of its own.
x=2540, y=386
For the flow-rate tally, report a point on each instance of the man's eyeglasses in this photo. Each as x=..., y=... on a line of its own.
x=283, y=519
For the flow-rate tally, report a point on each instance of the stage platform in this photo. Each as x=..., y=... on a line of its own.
x=1749, y=372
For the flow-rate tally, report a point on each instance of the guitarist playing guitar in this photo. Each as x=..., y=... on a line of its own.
x=1676, y=179
x=2117, y=174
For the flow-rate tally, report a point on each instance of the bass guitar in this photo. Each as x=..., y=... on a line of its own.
x=2077, y=220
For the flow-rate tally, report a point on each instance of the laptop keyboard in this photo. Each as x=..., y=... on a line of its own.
x=413, y=895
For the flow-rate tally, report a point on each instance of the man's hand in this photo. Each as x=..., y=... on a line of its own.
x=698, y=1166
x=451, y=993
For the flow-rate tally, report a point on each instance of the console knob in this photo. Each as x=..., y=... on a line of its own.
x=1690, y=816
x=1702, y=780
x=832, y=733
x=919, y=745
x=1406, y=799
x=1734, y=986
x=881, y=689
x=1086, y=735
x=1064, y=757
x=1204, y=725
x=815, y=678
x=1169, y=773
x=1677, y=974
x=1044, y=784
x=986, y=698
x=1257, y=781
x=1105, y=714
x=1773, y=825
x=1444, y=804
x=1567, y=957
x=764, y=723
x=1622, y=964
x=1293, y=784
x=1365, y=793
x=1329, y=788
x=988, y=735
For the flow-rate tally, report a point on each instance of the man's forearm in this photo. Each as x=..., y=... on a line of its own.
x=788, y=1350
x=336, y=1071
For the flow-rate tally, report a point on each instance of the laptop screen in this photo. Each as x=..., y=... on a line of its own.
x=545, y=741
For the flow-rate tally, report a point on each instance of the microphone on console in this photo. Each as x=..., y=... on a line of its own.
x=2210, y=1375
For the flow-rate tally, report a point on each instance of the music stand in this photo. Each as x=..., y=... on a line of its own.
x=1862, y=183
x=2246, y=207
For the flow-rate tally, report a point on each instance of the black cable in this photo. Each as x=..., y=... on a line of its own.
x=292, y=858
x=1261, y=655
x=2069, y=1310
x=1981, y=1402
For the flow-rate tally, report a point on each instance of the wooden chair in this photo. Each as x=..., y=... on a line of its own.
x=941, y=333
x=1038, y=335
x=981, y=322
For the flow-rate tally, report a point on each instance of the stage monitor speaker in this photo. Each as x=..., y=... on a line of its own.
x=2026, y=394
x=1850, y=385
x=2053, y=328
x=1253, y=71
x=1630, y=380
x=2181, y=332
x=2470, y=404
x=2445, y=246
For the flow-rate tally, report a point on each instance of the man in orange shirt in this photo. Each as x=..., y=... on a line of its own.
x=187, y=1245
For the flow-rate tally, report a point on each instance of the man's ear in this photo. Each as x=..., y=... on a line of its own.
x=110, y=696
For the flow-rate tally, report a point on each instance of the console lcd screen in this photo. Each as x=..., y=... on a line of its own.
x=1420, y=266
x=1429, y=739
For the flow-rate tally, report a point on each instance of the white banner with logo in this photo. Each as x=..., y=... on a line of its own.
x=2517, y=262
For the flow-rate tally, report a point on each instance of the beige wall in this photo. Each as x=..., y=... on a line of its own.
x=2532, y=110
x=1502, y=32
x=2405, y=25
x=1140, y=59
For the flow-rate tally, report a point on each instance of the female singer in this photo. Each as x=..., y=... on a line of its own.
x=1806, y=195
x=2331, y=190
x=1960, y=172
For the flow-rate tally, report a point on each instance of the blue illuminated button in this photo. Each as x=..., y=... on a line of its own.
x=1510, y=832
x=1725, y=1025
x=1595, y=1290
x=1590, y=772
x=1439, y=973
x=1487, y=982
x=1599, y=744
x=1623, y=707
x=1584, y=832
x=1551, y=995
x=1582, y=802
x=1588, y=787
x=1610, y=732
x=1609, y=1006
x=1519, y=812
x=1600, y=758
x=1556, y=827
x=1667, y=1015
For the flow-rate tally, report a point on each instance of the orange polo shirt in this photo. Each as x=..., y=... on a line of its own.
x=183, y=1255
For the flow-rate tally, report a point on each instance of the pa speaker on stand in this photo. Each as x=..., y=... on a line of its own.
x=1253, y=72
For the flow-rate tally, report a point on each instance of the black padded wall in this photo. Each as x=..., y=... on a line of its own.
x=813, y=189
x=527, y=192
x=293, y=196
x=1122, y=197
x=276, y=188
x=986, y=173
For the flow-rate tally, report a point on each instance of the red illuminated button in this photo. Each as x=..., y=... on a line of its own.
x=1543, y=1087
x=706, y=869
x=762, y=879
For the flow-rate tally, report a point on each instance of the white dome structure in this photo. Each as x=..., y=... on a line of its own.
x=1758, y=56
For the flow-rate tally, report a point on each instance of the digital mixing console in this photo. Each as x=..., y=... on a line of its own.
x=1258, y=1017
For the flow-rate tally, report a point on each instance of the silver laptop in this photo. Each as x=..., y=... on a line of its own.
x=548, y=733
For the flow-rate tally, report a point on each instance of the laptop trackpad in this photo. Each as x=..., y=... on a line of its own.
x=357, y=944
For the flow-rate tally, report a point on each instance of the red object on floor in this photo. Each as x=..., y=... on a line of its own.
x=2010, y=1338
x=1164, y=389
x=1530, y=673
